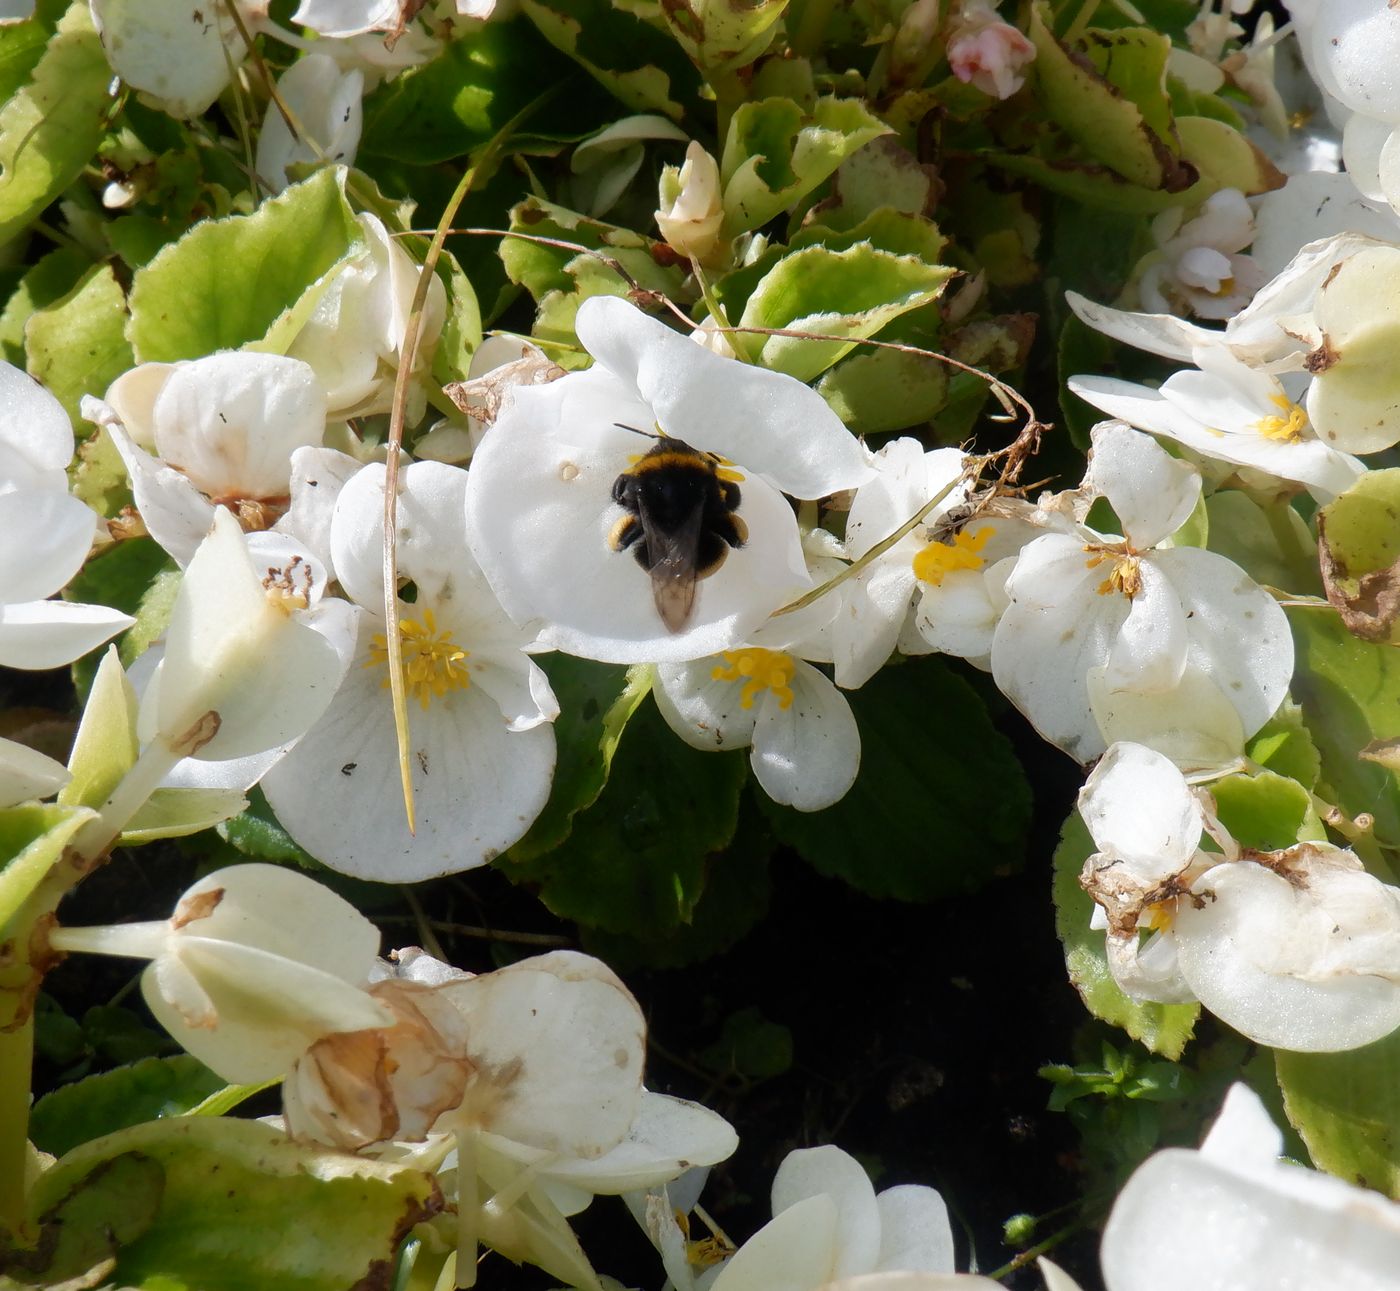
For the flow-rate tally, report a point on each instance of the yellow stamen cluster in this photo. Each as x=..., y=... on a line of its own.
x=1285, y=429
x=940, y=559
x=1158, y=917
x=759, y=670
x=1125, y=577
x=433, y=663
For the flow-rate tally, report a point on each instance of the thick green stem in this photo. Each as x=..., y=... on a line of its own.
x=467, y=1208
x=16, y=1067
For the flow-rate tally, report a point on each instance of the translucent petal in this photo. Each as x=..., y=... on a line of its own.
x=807, y=755
x=1139, y=809
x=47, y=536
x=176, y=514
x=828, y=1171
x=26, y=774
x=1151, y=492
x=795, y=1251
x=32, y=421
x=914, y=1230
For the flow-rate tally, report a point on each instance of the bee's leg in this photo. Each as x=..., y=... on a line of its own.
x=625, y=533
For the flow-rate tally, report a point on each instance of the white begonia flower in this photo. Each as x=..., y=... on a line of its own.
x=45, y=534
x=1228, y=410
x=341, y=18
x=255, y=964
x=26, y=774
x=1355, y=49
x=1312, y=207
x=1297, y=949
x=1092, y=615
x=325, y=104
x=691, y=209
x=482, y=753
x=354, y=337
x=222, y=430
x=829, y=1225
x=1197, y=266
x=540, y=494
x=179, y=53
x=1243, y=1220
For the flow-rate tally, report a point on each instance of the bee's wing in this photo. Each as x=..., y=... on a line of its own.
x=673, y=552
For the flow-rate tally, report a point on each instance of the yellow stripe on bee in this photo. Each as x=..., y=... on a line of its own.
x=655, y=461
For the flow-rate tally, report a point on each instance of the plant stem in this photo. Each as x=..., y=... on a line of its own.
x=16, y=1065
x=467, y=1206
x=811, y=26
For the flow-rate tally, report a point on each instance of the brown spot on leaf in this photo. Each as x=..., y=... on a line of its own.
x=1369, y=604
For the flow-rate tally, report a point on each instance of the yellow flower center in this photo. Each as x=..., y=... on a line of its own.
x=759, y=670
x=1124, y=577
x=1158, y=917
x=1285, y=429
x=939, y=559
x=433, y=663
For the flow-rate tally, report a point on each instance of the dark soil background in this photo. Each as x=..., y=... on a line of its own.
x=916, y=1031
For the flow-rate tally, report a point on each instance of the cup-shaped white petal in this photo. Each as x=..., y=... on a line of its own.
x=46, y=538
x=231, y=421
x=806, y=754
x=326, y=105
x=1140, y=810
x=1151, y=492
x=915, y=1233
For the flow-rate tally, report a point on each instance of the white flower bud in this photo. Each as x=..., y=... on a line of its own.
x=691, y=212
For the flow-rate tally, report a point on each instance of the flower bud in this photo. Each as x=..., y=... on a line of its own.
x=987, y=52
x=691, y=211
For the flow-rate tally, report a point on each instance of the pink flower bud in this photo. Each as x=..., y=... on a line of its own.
x=987, y=52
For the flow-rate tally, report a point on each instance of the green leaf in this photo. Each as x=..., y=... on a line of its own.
x=78, y=345
x=461, y=331
x=1265, y=810
x=205, y=1200
x=1360, y=533
x=735, y=897
x=32, y=839
x=885, y=390
x=463, y=97
x=98, y=477
x=175, y=813
x=723, y=35
x=231, y=281
x=972, y=796
x=776, y=153
x=596, y=701
x=115, y=1100
x=629, y=57
x=751, y=1046
x=51, y=126
x=1285, y=745
x=22, y=45
x=106, y=746
x=852, y=293
x=1272, y=544
x=1162, y=1028
x=1130, y=137
x=883, y=174
x=51, y=278
x=1350, y=693
x=1346, y=1107
x=635, y=861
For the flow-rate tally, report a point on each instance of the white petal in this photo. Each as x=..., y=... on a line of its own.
x=318, y=475
x=914, y=1230
x=348, y=17
x=1151, y=492
x=873, y=612
x=1312, y=206
x=326, y=105
x=827, y=1171
x=795, y=1251
x=705, y=711
x=33, y=423
x=176, y=514
x=44, y=634
x=1239, y=635
x=1193, y=723
x=47, y=536
x=1335, y=999
x=1149, y=652
x=1139, y=809
x=771, y=423
x=235, y=649
x=231, y=421
x=958, y=616
x=1243, y=1135
x=558, y=1042
x=27, y=774
x=1164, y=334
x=806, y=755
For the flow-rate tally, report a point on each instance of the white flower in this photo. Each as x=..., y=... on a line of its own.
x=325, y=104
x=45, y=535
x=26, y=774
x=1197, y=266
x=828, y=1225
x=482, y=752
x=1240, y=1219
x=691, y=210
x=223, y=429
x=1298, y=949
x=180, y=53
x=540, y=494
x=1098, y=623
x=987, y=52
x=1227, y=410
x=354, y=337
x=255, y=964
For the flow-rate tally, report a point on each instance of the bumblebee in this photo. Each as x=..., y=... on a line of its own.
x=680, y=521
